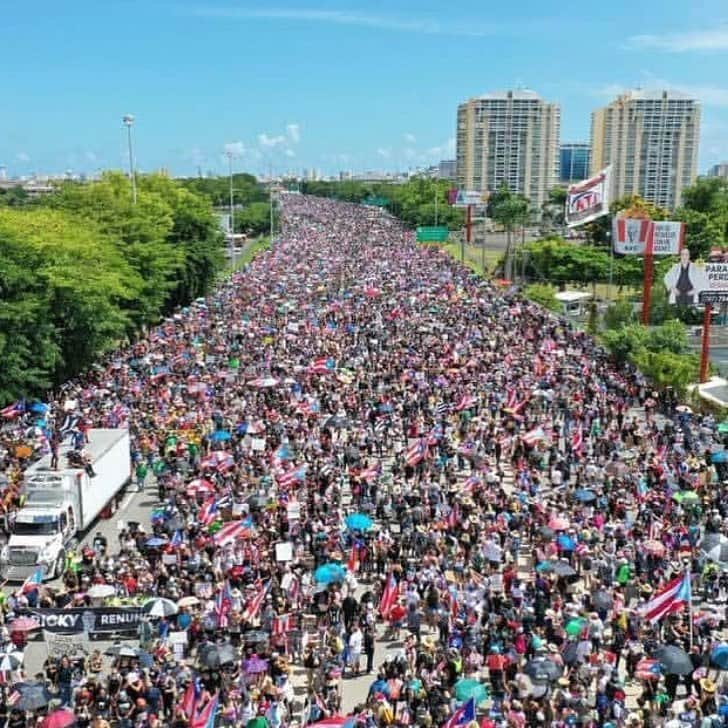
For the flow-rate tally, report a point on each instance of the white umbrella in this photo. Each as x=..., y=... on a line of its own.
x=188, y=601
x=160, y=607
x=101, y=591
x=10, y=661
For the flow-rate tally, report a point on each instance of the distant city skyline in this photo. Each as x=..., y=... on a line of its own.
x=330, y=86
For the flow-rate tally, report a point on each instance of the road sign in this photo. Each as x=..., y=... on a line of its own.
x=376, y=201
x=432, y=234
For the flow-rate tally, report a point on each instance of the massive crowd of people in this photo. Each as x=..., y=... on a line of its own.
x=371, y=462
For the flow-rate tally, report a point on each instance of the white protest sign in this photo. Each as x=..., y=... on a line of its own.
x=284, y=551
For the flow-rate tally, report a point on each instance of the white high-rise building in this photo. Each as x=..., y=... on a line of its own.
x=511, y=137
x=651, y=140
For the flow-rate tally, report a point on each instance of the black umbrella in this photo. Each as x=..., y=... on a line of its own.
x=215, y=656
x=674, y=660
x=337, y=422
x=543, y=670
x=602, y=600
x=33, y=696
x=562, y=568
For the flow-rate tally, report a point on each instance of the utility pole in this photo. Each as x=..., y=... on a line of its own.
x=232, y=211
x=128, y=120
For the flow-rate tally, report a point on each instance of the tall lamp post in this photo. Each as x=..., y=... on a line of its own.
x=232, y=210
x=128, y=120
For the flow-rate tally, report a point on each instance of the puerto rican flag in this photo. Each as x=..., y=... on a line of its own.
x=206, y=717
x=14, y=410
x=190, y=697
x=511, y=398
x=223, y=605
x=282, y=624
x=415, y=453
x=323, y=365
x=534, y=436
x=466, y=402
x=670, y=598
x=231, y=532
x=255, y=604
x=577, y=441
x=33, y=582
x=208, y=512
x=389, y=596
x=462, y=716
x=293, y=476
x=372, y=473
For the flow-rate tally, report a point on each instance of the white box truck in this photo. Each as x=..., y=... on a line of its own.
x=61, y=504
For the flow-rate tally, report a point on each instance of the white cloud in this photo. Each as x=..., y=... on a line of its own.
x=712, y=39
x=235, y=149
x=290, y=153
x=410, y=138
x=442, y=151
x=22, y=157
x=398, y=23
x=294, y=132
x=271, y=141
x=384, y=152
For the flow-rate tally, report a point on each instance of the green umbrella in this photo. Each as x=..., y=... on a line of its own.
x=234, y=363
x=723, y=428
x=688, y=497
x=467, y=688
x=575, y=626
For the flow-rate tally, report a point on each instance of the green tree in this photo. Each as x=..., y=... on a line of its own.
x=705, y=214
x=254, y=219
x=552, y=210
x=543, y=294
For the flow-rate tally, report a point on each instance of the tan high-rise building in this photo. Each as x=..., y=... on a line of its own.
x=651, y=140
x=512, y=137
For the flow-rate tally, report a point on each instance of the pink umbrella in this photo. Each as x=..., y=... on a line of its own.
x=335, y=721
x=59, y=719
x=23, y=624
x=559, y=524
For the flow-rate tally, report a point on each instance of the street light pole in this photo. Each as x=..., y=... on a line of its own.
x=232, y=211
x=128, y=120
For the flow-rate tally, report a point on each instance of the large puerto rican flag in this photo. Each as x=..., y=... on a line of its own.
x=415, y=453
x=231, y=532
x=463, y=715
x=669, y=598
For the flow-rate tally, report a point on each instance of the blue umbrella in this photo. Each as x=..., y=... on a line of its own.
x=584, y=495
x=359, y=522
x=329, y=573
x=544, y=566
x=719, y=656
x=379, y=686
x=155, y=541
x=220, y=436
x=38, y=408
x=719, y=457
x=566, y=542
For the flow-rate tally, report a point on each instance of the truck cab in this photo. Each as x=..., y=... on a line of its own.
x=43, y=529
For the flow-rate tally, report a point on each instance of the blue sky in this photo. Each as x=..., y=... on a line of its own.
x=364, y=84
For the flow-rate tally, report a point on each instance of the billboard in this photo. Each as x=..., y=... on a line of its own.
x=690, y=283
x=465, y=198
x=633, y=236
x=588, y=200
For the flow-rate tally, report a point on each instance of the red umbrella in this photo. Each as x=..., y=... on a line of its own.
x=23, y=624
x=59, y=719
